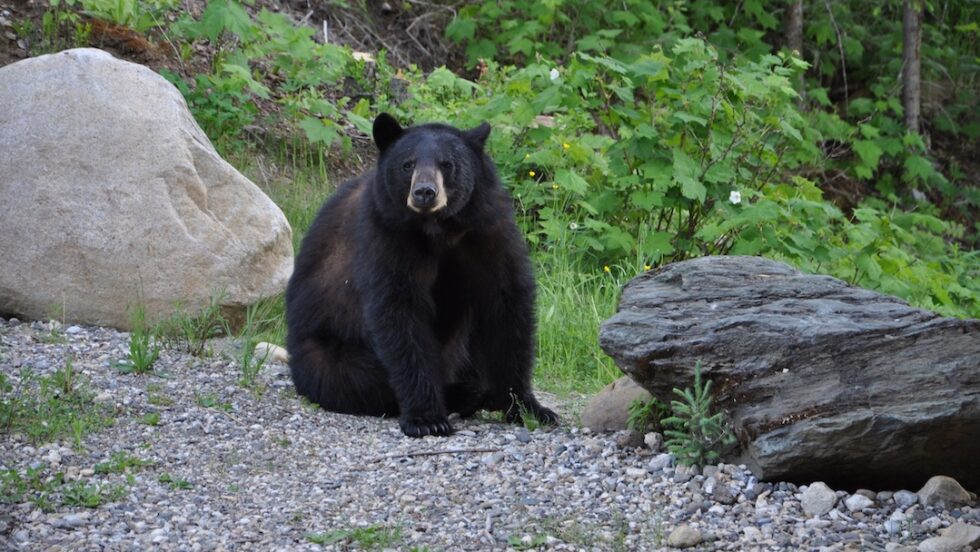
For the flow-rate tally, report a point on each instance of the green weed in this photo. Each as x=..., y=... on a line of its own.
x=175, y=483
x=374, y=537
x=121, y=462
x=50, y=407
x=143, y=350
x=90, y=496
x=646, y=415
x=150, y=419
x=191, y=332
x=211, y=400
x=262, y=315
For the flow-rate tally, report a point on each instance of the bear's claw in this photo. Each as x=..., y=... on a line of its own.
x=420, y=427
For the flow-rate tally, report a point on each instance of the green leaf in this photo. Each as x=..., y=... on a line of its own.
x=657, y=245
x=685, y=174
x=918, y=168
x=319, y=131
x=869, y=152
x=460, y=29
x=225, y=15
x=647, y=200
x=571, y=181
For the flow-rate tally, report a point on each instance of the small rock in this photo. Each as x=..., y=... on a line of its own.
x=944, y=491
x=654, y=441
x=523, y=435
x=932, y=524
x=752, y=533
x=271, y=353
x=723, y=494
x=858, y=502
x=954, y=538
x=71, y=521
x=629, y=439
x=636, y=472
x=818, y=499
x=817, y=523
x=691, y=470
x=684, y=536
x=660, y=462
x=866, y=492
x=74, y=330
x=896, y=547
x=893, y=527
x=904, y=499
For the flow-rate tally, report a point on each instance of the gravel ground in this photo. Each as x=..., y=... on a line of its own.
x=227, y=468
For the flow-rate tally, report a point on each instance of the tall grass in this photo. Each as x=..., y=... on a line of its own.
x=573, y=297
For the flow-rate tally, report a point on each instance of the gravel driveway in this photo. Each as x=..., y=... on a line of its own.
x=194, y=461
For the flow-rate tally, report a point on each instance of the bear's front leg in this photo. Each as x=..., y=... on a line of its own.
x=510, y=356
x=400, y=323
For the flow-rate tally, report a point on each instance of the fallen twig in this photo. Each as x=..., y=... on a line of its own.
x=431, y=453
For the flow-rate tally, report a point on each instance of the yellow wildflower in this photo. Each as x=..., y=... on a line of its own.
x=647, y=267
x=565, y=145
x=531, y=173
x=554, y=186
x=606, y=269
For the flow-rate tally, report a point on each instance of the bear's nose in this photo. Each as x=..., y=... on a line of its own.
x=424, y=194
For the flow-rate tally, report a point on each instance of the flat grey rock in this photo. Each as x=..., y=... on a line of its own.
x=822, y=380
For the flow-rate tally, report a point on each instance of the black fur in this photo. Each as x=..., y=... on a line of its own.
x=395, y=313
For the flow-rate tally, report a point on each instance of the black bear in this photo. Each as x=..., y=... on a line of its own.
x=412, y=294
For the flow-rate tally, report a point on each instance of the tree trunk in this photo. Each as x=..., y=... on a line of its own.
x=911, y=58
x=794, y=34
x=794, y=27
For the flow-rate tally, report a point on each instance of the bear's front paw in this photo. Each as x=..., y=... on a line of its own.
x=545, y=415
x=531, y=407
x=420, y=426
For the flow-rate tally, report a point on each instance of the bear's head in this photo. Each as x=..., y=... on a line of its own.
x=427, y=171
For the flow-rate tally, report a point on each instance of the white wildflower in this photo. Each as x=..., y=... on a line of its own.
x=554, y=74
x=735, y=197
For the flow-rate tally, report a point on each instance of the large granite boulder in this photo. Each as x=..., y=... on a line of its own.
x=111, y=194
x=821, y=380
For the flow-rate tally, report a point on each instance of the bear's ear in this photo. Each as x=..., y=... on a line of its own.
x=386, y=131
x=478, y=136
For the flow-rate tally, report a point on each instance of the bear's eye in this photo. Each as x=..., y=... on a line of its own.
x=407, y=166
x=446, y=166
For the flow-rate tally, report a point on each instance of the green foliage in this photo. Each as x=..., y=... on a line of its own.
x=150, y=419
x=192, y=332
x=139, y=15
x=695, y=435
x=121, y=462
x=261, y=49
x=42, y=490
x=143, y=349
x=372, y=537
x=260, y=318
x=211, y=400
x=50, y=407
x=646, y=414
x=32, y=486
x=175, y=483
x=79, y=493
x=633, y=158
